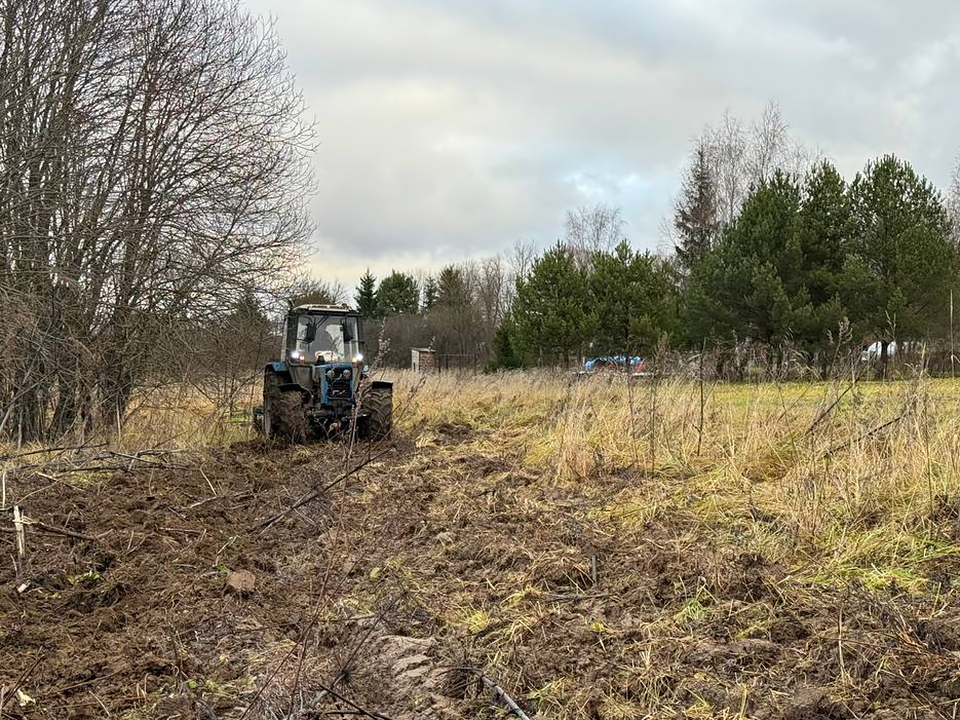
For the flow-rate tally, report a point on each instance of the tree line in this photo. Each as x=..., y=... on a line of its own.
x=769, y=245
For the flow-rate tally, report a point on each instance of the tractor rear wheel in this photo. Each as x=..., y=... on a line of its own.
x=378, y=402
x=283, y=415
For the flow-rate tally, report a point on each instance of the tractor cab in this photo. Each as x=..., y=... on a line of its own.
x=323, y=334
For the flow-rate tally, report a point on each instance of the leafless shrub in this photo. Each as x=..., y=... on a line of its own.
x=153, y=169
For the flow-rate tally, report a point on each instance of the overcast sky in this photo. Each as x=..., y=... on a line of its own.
x=451, y=128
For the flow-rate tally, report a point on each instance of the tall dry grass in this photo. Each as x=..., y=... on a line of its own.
x=848, y=479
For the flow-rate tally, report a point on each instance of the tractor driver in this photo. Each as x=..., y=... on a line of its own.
x=328, y=347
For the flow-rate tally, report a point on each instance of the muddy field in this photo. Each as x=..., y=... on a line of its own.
x=446, y=558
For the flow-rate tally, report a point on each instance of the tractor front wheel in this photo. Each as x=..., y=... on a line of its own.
x=283, y=415
x=378, y=402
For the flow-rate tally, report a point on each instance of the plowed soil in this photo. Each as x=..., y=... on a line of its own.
x=443, y=559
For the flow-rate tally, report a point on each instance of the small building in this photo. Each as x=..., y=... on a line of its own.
x=423, y=360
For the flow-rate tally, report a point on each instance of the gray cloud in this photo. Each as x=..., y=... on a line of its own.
x=449, y=129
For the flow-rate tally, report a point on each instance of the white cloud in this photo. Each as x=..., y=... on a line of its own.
x=451, y=127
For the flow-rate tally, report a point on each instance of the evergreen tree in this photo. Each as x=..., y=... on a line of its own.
x=696, y=218
x=431, y=292
x=452, y=288
x=398, y=294
x=551, y=308
x=824, y=230
x=458, y=311
x=634, y=301
x=504, y=354
x=903, y=263
x=366, y=296
x=752, y=285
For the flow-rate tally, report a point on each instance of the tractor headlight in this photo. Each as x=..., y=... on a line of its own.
x=330, y=374
x=347, y=374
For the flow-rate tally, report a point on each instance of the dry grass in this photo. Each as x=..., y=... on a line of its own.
x=610, y=551
x=852, y=482
x=796, y=506
x=845, y=487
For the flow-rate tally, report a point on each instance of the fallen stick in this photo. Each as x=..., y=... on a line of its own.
x=502, y=694
x=864, y=436
x=60, y=691
x=41, y=451
x=317, y=493
x=55, y=530
x=356, y=708
x=23, y=677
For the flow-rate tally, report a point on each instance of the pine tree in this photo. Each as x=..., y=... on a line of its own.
x=634, y=301
x=455, y=301
x=431, y=292
x=504, y=353
x=696, y=219
x=751, y=284
x=398, y=294
x=366, y=296
x=550, y=308
x=904, y=261
x=825, y=227
x=452, y=289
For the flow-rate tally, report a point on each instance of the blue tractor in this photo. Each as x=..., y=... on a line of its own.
x=320, y=384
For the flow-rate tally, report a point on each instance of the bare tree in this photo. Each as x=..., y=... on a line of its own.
x=522, y=256
x=769, y=145
x=591, y=229
x=953, y=202
x=729, y=159
x=153, y=167
x=741, y=158
x=319, y=292
x=492, y=296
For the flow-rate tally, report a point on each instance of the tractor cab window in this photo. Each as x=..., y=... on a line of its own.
x=327, y=338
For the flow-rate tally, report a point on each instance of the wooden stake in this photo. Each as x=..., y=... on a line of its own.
x=952, y=353
x=21, y=536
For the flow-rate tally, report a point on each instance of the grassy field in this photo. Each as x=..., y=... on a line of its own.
x=853, y=473
x=788, y=514
x=607, y=550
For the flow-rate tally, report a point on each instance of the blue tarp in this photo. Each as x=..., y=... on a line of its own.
x=631, y=361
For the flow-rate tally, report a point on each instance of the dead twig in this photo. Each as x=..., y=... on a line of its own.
x=829, y=409
x=17, y=685
x=357, y=709
x=499, y=692
x=42, y=451
x=320, y=491
x=874, y=431
x=51, y=529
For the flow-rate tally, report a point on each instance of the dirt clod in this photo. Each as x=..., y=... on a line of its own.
x=241, y=581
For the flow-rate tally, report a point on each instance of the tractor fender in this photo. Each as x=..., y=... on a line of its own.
x=280, y=369
x=381, y=385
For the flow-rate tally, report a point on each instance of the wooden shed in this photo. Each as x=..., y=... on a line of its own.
x=423, y=360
